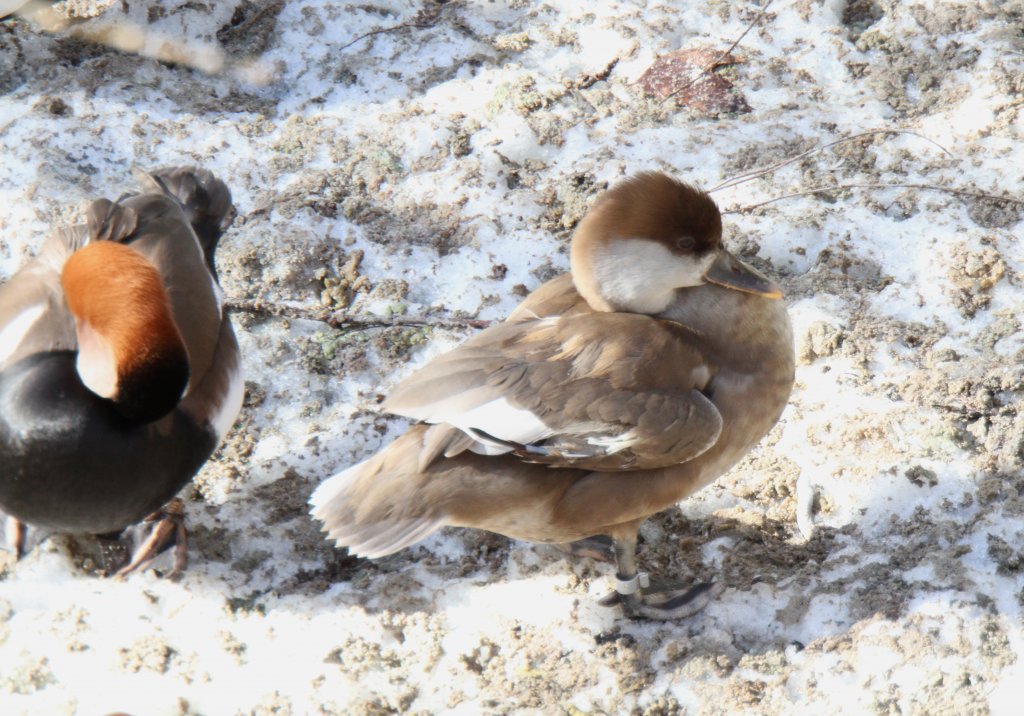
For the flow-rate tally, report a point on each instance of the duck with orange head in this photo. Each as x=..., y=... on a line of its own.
x=119, y=371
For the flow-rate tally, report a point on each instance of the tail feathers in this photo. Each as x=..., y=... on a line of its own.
x=205, y=199
x=440, y=440
x=372, y=512
x=380, y=539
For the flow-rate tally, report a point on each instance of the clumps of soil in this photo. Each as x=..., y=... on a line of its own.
x=1009, y=561
x=252, y=28
x=566, y=202
x=331, y=352
x=859, y=15
x=994, y=214
x=12, y=61
x=840, y=270
x=340, y=289
x=912, y=81
x=972, y=275
x=396, y=344
x=921, y=476
x=147, y=654
x=521, y=96
x=543, y=677
x=32, y=675
x=820, y=340
x=229, y=465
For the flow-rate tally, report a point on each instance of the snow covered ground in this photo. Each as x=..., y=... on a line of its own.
x=870, y=548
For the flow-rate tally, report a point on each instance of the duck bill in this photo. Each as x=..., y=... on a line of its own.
x=729, y=272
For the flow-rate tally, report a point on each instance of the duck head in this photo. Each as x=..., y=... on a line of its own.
x=129, y=349
x=649, y=236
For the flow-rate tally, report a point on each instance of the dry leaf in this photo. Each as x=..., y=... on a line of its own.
x=692, y=78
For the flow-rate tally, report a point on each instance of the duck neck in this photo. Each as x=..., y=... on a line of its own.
x=752, y=330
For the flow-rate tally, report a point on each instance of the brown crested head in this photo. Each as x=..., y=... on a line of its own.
x=644, y=238
x=655, y=206
x=130, y=349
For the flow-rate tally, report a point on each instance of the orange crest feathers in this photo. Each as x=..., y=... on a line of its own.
x=121, y=296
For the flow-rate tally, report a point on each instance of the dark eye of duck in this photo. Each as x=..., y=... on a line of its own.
x=685, y=243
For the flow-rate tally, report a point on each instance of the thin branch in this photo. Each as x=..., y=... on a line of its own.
x=718, y=61
x=424, y=20
x=344, y=321
x=880, y=185
x=755, y=173
x=588, y=80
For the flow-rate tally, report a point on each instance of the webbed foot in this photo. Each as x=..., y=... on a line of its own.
x=163, y=530
x=645, y=598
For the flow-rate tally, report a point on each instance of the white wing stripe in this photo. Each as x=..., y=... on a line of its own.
x=14, y=332
x=500, y=419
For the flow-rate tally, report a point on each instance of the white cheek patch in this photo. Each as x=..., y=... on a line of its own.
x=703, y=265
x=15, y=331
x=641, y=275
x=96, y=364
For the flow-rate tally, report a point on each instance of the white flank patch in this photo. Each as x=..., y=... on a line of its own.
x=14, y=332
x=225, y=415
x=502, y=420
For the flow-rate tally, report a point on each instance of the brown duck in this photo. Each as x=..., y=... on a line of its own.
x=608, y=395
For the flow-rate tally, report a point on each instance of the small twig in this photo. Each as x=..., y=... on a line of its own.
x=880, y=185
x=344, y=321
x=720, y=60
x=587, y=80
x=755, y=173
x=424, y=20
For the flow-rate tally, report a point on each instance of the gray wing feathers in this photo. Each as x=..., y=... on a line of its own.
x=558, y=392
x=204, y=198
x=108, y=221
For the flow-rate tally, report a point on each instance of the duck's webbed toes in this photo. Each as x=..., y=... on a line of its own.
x=646, y=598
x=161, y=531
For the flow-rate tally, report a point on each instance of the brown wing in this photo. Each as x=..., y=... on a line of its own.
x=599, y=391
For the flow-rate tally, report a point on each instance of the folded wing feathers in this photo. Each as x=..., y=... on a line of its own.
x=473, y=398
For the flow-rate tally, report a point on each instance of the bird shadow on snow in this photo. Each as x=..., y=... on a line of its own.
x=778, y=589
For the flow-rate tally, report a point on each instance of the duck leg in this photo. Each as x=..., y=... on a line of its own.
x=166, y=531
x=599, y=547
x=20, y=537
x=644, y=598
x=15, y=536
